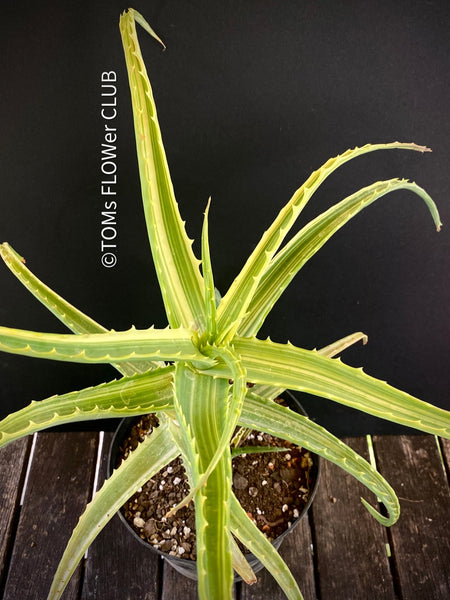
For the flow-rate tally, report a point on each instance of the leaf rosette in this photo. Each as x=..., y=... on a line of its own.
x=194, y=373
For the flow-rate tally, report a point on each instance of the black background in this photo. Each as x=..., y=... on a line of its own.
x=252, y=96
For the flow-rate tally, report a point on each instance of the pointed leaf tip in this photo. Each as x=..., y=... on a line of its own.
x=423, y=148
x=145, y=25
x=414, y=146
x=386, y=521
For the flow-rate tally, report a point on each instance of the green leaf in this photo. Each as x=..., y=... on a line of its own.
x=294, y=368
x=112, y=347
x=176, y=266
x=287, y=263
x=201, y=404
x=340, y=345
x=210, y=290
x=280, y=421
x=73, y=318
x=156, y=451
x=233, y=410
x=236, y=302
x=255, y=449
x=272, y=392
x=135, y=395
x=240, y=563
x=247, y=532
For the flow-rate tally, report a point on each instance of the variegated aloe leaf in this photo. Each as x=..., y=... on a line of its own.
x=72, y=317
x=233, y=410
x=176, y=266
x=339, y=346
x=135, y=395
x=188, y=450
x=247, y=532
x=207, y=353
x=307, y=370
x=201, y=404
x=154, y=453
x=271, y=392
x=240, y=563
x=278, y=420
x=236, y=302
x=208, y=277
x=112, y=347
x=256, y=450
x=286, y=264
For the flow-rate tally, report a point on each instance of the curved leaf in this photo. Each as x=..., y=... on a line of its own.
x=287, y=263
x=339, y=346
x=235, y=303
x=265, y=415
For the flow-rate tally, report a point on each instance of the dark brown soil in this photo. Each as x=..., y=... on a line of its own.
x=272, y=487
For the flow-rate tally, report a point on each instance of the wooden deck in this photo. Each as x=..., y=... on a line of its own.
x=338, y=553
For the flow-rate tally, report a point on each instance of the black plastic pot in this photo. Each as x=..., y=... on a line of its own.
x=188, y=568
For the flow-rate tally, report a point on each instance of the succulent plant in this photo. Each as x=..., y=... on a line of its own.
x=194, y=373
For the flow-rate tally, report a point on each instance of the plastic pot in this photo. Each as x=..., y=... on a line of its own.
x=186, y=567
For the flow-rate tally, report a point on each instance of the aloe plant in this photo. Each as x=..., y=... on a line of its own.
x=194, y=373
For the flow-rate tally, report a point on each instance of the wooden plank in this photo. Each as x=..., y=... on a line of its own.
x=13, y=464
x=420, y=540
x=350, y=545
x=296, y=549
x=58, y=488
x=118, y=567
x=176, y=585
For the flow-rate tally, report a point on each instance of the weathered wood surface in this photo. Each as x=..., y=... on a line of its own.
x=420, y=540
x=338, y=552
x=59, y=486
x=350, y=543
x=13, y=466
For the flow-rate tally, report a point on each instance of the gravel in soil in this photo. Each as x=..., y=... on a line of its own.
x=272, y=487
